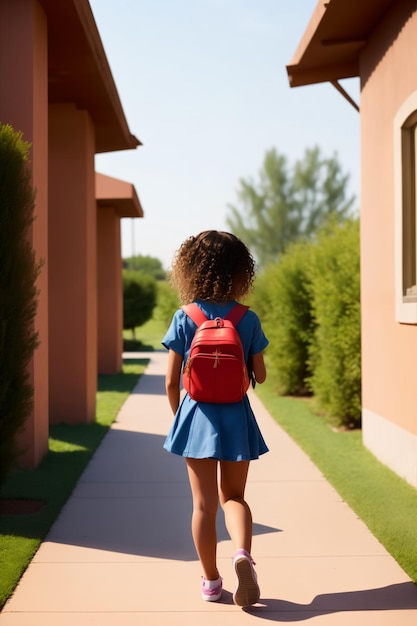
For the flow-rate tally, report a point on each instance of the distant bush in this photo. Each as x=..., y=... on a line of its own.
x=18, y=293
x=309, y=304
x=139, y=299
x=149, y=265
x=167, y=302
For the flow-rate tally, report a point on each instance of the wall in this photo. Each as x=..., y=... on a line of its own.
x=109, y=280
x=24, y=105
x=73, y=266
x=389, y=354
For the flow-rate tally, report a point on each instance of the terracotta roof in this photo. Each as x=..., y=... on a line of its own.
x=331, y=45
x=118, y=194
x=79, y=72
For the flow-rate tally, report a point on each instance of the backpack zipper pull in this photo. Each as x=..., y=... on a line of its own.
x=217, y=355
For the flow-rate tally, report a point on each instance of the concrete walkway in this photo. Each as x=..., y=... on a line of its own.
x=121, y=552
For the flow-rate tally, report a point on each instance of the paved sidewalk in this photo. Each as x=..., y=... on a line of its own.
x=121, y=552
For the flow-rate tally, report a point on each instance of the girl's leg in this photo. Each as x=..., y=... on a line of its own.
x=237, y=513
x=239, y=525
x=202, y=474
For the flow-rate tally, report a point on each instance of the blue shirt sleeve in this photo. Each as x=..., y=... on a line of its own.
x=253, y=337
x=175, y=336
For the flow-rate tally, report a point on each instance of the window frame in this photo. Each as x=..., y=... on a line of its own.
x=405, y=211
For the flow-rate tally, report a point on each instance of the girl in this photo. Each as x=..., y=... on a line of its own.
x=214, y=269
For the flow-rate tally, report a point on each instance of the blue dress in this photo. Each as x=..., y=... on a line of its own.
x=202, y=430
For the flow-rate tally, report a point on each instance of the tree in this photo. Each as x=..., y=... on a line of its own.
x=18, y=293
x=147, y=264
x=287, y=204
x=139, y=299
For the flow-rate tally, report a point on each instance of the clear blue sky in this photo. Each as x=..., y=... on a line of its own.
x=204, y=86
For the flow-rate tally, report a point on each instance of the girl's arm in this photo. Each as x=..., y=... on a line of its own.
x=258, y=367
x=172, y=379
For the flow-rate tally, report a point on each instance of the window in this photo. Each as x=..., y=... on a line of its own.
x=405, y=163
x=408, y=157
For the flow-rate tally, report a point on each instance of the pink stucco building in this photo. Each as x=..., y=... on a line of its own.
x=376, y=40
x=57, y=88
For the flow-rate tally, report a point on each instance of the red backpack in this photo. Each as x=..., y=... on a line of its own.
x=216, y=370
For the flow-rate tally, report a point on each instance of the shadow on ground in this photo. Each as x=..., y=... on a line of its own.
x=138, y=502
x=401, y=596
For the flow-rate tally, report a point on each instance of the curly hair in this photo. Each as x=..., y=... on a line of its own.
x=214, y=266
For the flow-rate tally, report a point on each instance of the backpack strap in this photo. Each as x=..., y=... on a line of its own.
x=195, y=313
x=236, y=314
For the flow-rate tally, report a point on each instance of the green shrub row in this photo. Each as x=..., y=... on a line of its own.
x=309, y=303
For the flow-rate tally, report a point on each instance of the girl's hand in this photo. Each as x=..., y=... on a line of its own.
x=172, y=379
x=258, y=367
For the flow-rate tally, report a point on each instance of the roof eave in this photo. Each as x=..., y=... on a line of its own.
x=79, y=72
x=119, y=195
x=335, y=36
x=299, y=77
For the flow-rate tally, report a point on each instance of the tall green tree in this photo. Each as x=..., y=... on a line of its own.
x=289, y=203
x=18, y=294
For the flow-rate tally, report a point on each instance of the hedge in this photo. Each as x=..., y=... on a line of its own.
x=335, y=350
x=18, y=293
x=309, y=303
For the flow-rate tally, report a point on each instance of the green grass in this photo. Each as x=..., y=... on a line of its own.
x=71, y=448
x=148, y=337
x=383, y=501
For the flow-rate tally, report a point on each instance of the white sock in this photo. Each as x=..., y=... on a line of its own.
x=211, y=584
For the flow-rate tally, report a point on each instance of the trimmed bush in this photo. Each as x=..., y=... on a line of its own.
x=335, y=352
x=139, y=299
x=309, y=304
x=286, y=290
x=18, y=293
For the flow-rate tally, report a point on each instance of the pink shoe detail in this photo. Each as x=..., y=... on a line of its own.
x=211, y=595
